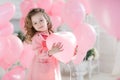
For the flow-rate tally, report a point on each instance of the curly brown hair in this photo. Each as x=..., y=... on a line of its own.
x=30, y=31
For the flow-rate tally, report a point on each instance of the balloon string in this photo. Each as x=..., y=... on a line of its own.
x=69, y=70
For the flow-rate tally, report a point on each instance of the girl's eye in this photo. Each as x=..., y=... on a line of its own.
x=41, y=20
x=35, y=23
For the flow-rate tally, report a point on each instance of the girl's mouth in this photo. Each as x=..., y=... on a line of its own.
x=40, y=27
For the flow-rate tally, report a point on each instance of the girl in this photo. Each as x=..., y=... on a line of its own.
x=38, y=27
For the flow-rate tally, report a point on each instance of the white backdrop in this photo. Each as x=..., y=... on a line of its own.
x=116, y=68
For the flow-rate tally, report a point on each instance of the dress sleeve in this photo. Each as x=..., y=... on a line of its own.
x=37, y=44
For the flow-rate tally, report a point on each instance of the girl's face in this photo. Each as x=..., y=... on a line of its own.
x=39, y=22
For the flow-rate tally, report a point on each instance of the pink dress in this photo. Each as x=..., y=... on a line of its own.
x=43, y=67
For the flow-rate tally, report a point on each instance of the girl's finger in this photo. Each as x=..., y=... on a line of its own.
x=53, y=44
x=60, y=46
x=61, y=50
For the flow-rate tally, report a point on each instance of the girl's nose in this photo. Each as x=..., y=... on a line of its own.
x=39, y=24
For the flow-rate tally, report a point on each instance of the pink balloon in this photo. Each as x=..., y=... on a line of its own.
x=26, y=6
x=57, y=8
x=108, y=15
x=15, y=48
x=4, y=64
x=17, y=73
x=27, y=55
x=3, y=46
x=4, y=42
x=45, y=4
x=86, y=38
x=74, y=13
x=56, y=21
x=7, y=11
x=6, y=29
x=69, y=42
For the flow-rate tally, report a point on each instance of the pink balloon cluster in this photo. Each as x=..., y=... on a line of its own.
x=10, y=45
x=11, y=48
x=6, y=13
x=73, y=13
x=108, y=15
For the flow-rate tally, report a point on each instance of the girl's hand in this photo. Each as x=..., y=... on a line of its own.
x=56, y=47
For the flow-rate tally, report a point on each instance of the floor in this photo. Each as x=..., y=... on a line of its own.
x=100, y=76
